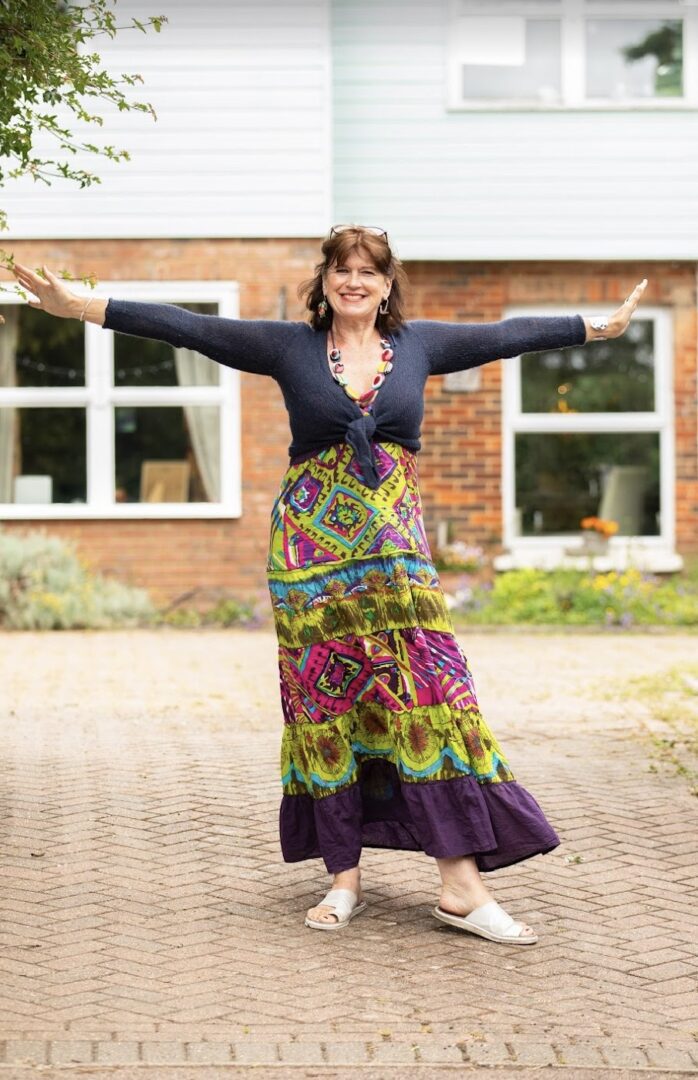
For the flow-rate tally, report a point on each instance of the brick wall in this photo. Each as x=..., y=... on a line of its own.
x=462, y=436
x=460, y=464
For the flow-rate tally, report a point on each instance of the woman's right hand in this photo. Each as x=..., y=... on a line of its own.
x=54, y=297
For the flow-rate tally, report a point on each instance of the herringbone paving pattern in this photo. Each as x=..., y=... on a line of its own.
x=147, y=920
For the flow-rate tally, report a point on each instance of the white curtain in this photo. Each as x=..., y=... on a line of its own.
x=203, y=421
x=9, y=337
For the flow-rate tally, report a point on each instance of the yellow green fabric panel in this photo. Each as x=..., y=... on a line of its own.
x=357, y=596
x=363, y=615
x=427, y=743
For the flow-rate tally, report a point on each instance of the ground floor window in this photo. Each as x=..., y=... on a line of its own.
x=94, y=423
x=589, y=433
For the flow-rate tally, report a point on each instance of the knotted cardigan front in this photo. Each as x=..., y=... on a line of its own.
x=320, y=413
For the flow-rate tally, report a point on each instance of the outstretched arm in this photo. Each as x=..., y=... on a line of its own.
x=246, y=344
x=457, y=346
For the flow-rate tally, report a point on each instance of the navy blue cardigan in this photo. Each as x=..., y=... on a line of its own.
x=295, y=355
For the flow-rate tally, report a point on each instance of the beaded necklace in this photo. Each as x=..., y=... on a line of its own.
x=384, y=367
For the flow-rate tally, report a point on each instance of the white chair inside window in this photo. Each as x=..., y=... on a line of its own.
x=623, y=498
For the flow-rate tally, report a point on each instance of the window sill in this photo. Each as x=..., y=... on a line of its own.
x=119, y=512
x=552, y=557
x=579, y=107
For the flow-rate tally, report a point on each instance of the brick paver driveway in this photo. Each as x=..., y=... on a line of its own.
x=150, y=927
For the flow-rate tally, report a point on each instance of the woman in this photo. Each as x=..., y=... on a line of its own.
x=383, y=743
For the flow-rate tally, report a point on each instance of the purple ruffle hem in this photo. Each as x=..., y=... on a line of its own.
x=499, y=823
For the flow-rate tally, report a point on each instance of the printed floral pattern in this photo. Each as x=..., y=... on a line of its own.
x=377, y=696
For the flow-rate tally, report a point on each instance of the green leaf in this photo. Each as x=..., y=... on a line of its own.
x=42, y=59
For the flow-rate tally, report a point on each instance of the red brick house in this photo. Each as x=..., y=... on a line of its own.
x=545, y=189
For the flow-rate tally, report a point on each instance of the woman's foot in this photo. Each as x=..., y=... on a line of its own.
x=345, y=879
x=462, y=888
x=461, y=901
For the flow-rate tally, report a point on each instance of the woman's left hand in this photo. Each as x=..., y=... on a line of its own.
x=618, y=321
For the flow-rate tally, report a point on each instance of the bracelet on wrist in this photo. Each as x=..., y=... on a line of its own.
x=87, y=304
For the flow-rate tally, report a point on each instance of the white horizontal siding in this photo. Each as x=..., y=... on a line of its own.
x=241, y=143
x=496, y=185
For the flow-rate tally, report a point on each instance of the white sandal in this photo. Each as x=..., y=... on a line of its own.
x=490, y=921
x=344, y=902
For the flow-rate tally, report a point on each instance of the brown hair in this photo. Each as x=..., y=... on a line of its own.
x=335, y=248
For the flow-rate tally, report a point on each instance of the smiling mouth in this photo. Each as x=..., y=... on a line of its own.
x=353, y=296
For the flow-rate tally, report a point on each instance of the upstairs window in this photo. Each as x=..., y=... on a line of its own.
x=558, y=54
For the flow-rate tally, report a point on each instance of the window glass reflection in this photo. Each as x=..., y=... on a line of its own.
x=167, y=453
x=536, y=79
x=634, y=58
x=563, y=477
x=36, y=350
x=140, y=362
x=603, y=376
x=42, y=455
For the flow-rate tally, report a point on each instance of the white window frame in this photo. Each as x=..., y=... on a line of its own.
x=572, y=14
x=551, y=547
x=99, y=397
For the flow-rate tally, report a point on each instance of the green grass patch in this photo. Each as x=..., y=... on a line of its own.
x=671, y=697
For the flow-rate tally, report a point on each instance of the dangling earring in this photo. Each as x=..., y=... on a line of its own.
x=322, y=307
x=384, y=306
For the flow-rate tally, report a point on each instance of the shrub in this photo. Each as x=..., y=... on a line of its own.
x=232, y=612
x=227, y=612
x=575, y=597
x=45, y=585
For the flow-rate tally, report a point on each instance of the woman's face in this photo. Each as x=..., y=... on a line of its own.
x=356, y=287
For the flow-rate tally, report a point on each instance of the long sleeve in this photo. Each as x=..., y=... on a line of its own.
x=457, y=346
x=246, y=344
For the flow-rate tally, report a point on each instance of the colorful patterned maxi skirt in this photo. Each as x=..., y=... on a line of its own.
x=383, y=743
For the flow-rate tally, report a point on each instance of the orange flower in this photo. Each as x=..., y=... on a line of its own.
x=600, y=525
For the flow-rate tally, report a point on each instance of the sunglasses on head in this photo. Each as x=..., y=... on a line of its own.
x=337, y=229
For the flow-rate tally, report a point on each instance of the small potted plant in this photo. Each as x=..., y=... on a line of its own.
x=596, y=532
